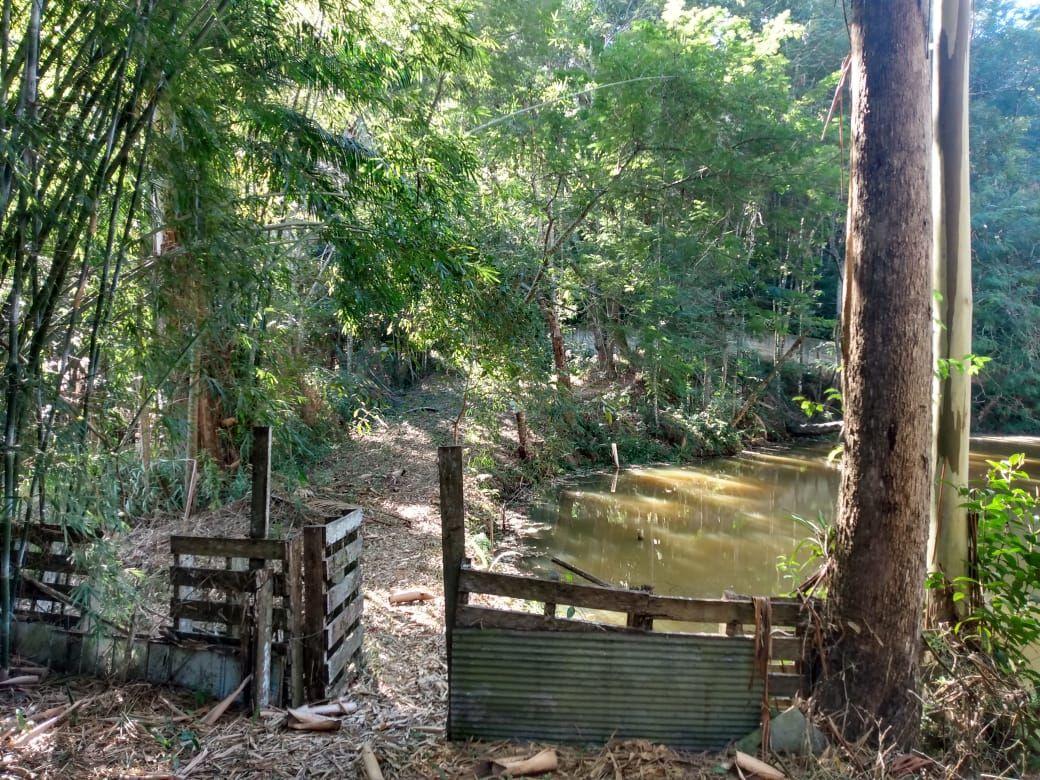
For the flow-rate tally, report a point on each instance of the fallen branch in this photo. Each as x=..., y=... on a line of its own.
x=47, y=725
x=580, y=572
x=411, y=596
x=759, y=769
x=538, y=764
x=753, y=398
x=303, y=719
x=25, y=679
x=214, y=714
x=370, y=763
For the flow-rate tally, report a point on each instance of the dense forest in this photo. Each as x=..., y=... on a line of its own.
x=604, y=222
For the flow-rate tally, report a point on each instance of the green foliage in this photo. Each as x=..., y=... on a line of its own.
x=1005, y=613
x=811, y=557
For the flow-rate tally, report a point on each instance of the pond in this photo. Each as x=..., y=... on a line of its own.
x=701, y=530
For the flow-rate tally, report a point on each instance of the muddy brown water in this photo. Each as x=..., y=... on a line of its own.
x=720, y=525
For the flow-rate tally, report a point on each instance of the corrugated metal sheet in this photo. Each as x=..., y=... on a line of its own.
x=687, y=691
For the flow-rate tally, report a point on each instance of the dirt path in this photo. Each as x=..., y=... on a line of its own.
x=139, y=730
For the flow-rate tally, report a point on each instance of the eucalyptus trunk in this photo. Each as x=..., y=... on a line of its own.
x=948, y=542
x=876, y=597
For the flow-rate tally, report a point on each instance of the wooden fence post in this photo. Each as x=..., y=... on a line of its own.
x=314, y=611
x=297, y=625
x=261, y=650
x=453, y=540
x=260, y=508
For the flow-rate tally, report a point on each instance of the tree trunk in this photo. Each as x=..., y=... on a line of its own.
x=948, y=542
x=876, y=596
x=552, y=320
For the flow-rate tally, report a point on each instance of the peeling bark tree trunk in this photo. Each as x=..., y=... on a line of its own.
x=877, y=594
x=948, y=539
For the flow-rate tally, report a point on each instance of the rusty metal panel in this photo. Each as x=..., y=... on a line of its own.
x=690, y=691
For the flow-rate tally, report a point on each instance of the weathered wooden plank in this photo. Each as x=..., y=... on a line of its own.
x=453, y=543
x=268, y=549
x=339, y=659
x=343, y=622
x=64, y=619
x=338, y=561
x=48, y=561
x=627, y=601
x=467, y=616
x=784, y=686
x=341, y=591
x=314, y=611
x=48, y=533
x=29, y=590
x=207, y=612
x=221, y=579
x=260, y=502
x=229, y=614
x=294, y=597
x=343, y=526
x=261, y=650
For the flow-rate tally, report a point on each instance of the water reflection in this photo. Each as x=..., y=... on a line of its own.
x=701, y=530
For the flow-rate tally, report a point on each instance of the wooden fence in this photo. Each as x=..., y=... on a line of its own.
x=50, y=576
x=288, y=611
x=604, y=668
x=332, y=602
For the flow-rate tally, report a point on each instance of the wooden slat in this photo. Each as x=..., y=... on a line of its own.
x=66, y=619
x=467, y=616
x=294, y=600
x=341, y=591
x=314, y=611
x=48, y=561
x=220, y=612
x=48, y=533
x=220, y=579
x=338, y=660
x=784, y=648
x=261, y=641
x=268, y=549
x=343, y=526
x=217, y=579
x=342, y=623
x=784, y=686
x=207, y=612
x=338, y=561
x=28, y=590
x=618, y=600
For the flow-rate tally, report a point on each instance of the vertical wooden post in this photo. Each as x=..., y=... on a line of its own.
x=453, y=541
x=293, y=570
x=314, y=611
x=262, y=604
x=260, y=508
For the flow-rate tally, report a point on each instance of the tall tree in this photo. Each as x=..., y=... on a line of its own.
x=877, y=593
x=948, y=542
